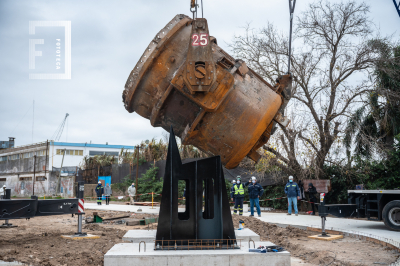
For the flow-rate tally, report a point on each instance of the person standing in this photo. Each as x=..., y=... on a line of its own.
x=255, y=192
x=3, y=191
x=233, y=190
x=239, y=197
x=99, y=192
x=311, y=194
x=293, y=194
x=107, y=193
x=132, y=193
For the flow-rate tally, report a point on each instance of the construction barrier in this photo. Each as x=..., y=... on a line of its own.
x=81, y=204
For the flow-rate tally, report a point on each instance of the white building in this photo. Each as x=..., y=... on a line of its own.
x=74, y=152
x=17, y=165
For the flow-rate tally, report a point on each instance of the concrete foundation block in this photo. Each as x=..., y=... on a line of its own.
x=246, y=234
x=128, y=254
x=136, y=236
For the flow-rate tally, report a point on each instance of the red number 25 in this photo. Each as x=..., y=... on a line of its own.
x=200, y=39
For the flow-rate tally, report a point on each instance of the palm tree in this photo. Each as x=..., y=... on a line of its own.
x=374, y=125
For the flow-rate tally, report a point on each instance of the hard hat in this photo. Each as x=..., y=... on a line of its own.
x=291, y=177
x=253, y=178
x=233, y=181
x=99, y=182
x=4, y=185
x=238, y=178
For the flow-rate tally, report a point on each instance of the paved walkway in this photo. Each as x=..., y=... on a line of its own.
x=367, y=228
x=372, y=229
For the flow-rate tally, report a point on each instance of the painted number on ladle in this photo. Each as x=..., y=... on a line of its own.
x=200, y=39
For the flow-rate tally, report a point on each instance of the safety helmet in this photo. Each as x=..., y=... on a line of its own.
x=290, y=177
x=99, y=182
x=238, y=178
x=253, y=178
x=233, y=181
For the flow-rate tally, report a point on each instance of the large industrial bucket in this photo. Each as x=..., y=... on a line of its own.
x=232, y=117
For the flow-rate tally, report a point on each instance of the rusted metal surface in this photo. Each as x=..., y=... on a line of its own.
x=213, y=101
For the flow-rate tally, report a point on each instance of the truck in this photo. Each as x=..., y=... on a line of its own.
x=375, y=205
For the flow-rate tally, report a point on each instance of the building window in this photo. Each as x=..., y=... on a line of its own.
x=27, y=155
x=41, y=153
x=94, y=153
x=41, y=178
x=112, y=153
x=14, y=157
x=3, y=158
x=69, y=152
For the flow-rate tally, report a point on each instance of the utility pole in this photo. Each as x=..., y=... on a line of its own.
x=34, y=175
x=291, y=10
x=59, y=175
x=45, y=163
x=137, y=171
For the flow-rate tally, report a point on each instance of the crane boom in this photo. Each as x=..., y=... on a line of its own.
x=397, y=5
x=57, y=135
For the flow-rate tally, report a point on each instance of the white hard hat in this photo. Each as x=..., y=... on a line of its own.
x=233, y=181
x=99, y=182
x=4, y=185
x=253, y=178
x=291, y=177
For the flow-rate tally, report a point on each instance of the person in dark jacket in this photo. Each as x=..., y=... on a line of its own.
x=99, y=192
x=311, y=194
x=239, y=197
x=255, y=191
x=233, y=190
x=292, y=191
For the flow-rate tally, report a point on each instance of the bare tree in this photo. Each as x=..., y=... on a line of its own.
x=332, y=41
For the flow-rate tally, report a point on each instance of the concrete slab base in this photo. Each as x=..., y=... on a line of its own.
x=327, y=238
x=148, y=236
x=136, y=236
x=128, y=254
x=74, y=237
x=246, y=234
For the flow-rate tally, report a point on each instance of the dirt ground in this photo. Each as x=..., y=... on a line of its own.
x=38, y=242
x=347, y=251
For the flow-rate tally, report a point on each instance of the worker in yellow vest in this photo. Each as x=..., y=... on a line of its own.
x=239, y=196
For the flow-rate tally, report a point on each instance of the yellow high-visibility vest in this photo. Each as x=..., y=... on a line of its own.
x=239, y=190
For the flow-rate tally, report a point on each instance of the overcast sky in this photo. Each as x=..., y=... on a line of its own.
x=108, y=37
